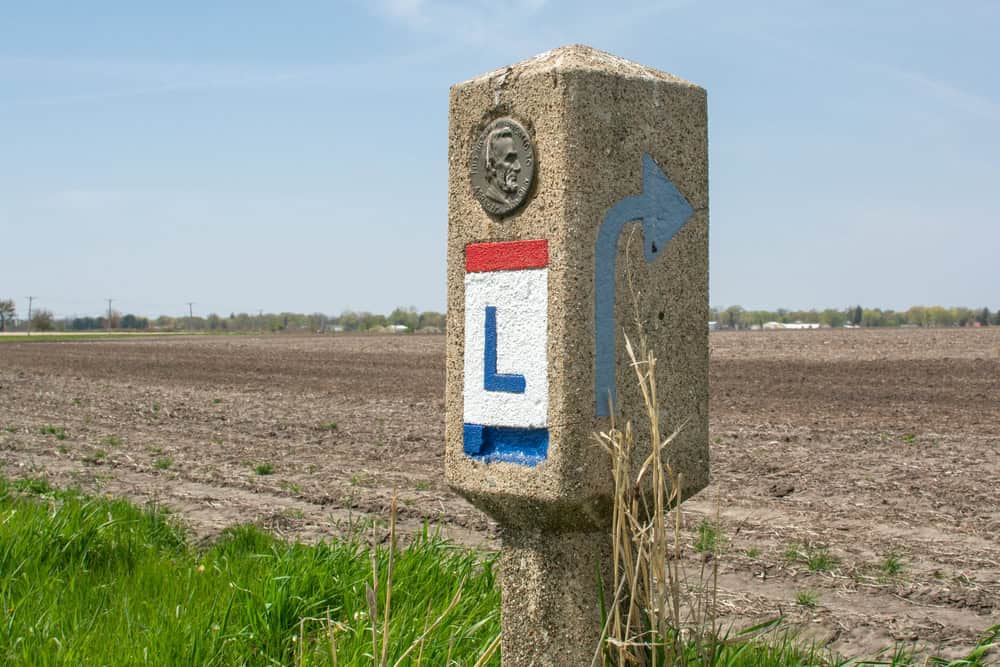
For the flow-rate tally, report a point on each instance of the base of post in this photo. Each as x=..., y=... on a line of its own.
x=551, y=613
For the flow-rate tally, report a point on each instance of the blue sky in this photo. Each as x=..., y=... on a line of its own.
x=292, y=156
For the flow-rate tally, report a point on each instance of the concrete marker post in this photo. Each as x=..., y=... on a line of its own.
x=578, y=203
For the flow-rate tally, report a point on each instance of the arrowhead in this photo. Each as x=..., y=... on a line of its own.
x=666, y=208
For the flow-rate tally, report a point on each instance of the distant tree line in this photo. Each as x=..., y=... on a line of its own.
x=400, y=319
x=736, y=317
x=731, y=317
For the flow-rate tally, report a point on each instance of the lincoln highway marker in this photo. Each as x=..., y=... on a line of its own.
x=577, y=214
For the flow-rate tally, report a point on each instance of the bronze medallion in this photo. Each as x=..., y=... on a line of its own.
x=503, y=166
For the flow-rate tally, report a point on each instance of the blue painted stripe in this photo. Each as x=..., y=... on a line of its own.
x=493, y=381
x=492, y=444
x=663, y=211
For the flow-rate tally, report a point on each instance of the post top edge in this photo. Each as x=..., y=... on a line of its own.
x=577, y=57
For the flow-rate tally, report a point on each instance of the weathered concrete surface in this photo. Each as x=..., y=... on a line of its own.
x=592, y=117
x=549, y=584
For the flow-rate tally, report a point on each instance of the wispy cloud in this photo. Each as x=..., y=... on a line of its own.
x=476, y=21
x=408, y=11
x=107, y=79
x=111, y=79
x=957, y=98
x=422, y=13
x=944, y=92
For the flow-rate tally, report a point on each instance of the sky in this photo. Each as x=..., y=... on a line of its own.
x=251, y=156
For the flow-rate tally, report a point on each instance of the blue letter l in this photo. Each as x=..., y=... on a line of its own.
x=493, y=381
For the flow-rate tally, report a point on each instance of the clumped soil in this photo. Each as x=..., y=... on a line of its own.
x=856, y=473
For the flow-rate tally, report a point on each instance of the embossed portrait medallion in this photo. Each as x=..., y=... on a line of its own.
x=502, y=166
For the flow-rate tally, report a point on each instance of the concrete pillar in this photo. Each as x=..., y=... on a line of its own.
x=577, y=207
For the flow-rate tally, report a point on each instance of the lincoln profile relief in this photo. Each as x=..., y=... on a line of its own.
x=502, y=166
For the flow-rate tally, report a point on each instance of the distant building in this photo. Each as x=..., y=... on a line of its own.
x=770, y=326
x=713, y=326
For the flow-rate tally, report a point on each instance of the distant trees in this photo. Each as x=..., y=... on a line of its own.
x=7, y=312
x=42, y=320
x=410, y=317
x=134, y=322
x=118, y=321
x=735, y=317
x=85, y=323
x=431, y=320
x=406, y=317
x=833, y=318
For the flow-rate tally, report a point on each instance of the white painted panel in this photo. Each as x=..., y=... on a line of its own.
x=521, y=299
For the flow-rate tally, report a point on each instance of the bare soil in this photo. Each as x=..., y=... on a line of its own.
x=873, y=453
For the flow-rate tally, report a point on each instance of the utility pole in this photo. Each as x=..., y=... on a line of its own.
x=190, y=305
x=30, y=300
x=109, y=314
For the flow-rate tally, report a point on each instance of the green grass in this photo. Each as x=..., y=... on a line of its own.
x=94, y=581
x=710, y=538
x=264, y=469
x=58, y=431
x=892, y=564
x=112, y=441
x=96, y=456
x=290, y=487
x=163, y=463
x=815, y=558
x=807, y=598
x=820, y=559
x=91, y=581
x=328, y=426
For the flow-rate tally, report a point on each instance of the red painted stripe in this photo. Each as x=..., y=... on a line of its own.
x=506, y=256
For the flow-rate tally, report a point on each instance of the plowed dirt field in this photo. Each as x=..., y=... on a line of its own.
x=856, y=473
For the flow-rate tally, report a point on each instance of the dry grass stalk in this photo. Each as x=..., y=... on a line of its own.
x=655, y=617
x=388, y=578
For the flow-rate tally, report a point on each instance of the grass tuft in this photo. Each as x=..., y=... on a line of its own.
x=58, y=431
x=820, y=559
x=815, y=558
x=807, y=598
x=892, y=564
x=710, y=538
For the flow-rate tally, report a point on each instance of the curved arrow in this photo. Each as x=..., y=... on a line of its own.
x=663, y=210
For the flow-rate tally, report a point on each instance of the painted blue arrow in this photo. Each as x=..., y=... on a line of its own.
x=663, y=210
